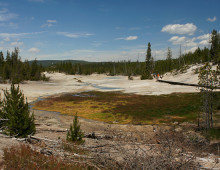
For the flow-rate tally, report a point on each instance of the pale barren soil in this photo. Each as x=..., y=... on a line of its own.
x=53, y=126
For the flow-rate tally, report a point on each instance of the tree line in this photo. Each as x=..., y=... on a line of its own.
x=198, y=56
x=16, y=71
x=147, y=68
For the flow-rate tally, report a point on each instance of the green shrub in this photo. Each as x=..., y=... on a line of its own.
x=75, y=134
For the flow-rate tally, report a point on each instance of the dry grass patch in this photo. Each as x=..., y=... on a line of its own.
x=126, y=108
x=23, y=157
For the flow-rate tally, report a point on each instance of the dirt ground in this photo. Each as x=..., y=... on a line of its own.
x=61, y=83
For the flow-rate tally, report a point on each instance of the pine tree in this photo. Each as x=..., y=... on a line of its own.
x=14, y=108
x=35, y=72
x=148, y=70
x=215, y=46
x=75, y=134
x=1, y=65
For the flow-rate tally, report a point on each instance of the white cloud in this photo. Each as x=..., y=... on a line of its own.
x=133, y=53
x=74, y=35
x=49, y=23
x=159, y=54
x=6, y=16
x=191, y=42
x=188, y=28
x=46, y=25
x=17, y=44
x=177, y=40
x=52, y=21
x=193, y=49
x=203, y=37
x=212, y=19
x=204, y=42
x=129, y=38
x=34, y=50
x=10, y=35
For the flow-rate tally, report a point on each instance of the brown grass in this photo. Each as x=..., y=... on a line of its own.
x=23, y=157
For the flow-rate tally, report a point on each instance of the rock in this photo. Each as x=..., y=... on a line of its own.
x=46, y=152
x=178, y=129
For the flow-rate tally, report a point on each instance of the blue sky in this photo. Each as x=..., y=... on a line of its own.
x=105, y=30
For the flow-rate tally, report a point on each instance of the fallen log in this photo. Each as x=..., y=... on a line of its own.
x=52, y=130
x=4, y=120
x=183, y=84
x=40, y=139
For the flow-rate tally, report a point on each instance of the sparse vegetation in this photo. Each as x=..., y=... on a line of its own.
x=127, y=108
x=23, y=157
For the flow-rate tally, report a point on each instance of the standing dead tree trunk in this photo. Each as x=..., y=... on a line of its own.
x=208, y=82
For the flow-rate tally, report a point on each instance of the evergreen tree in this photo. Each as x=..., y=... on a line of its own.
x=215, y=46
x=75, y=134
x=20, y=122
x=1, y=59
x=1, y=65
x=35, y=72
x=148, y=70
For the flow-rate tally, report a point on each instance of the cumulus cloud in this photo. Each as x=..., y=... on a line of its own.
x=203, y=37
x=212, y=19
x=177, y=40
x=204, y=42
x=129, y=38
x=34, y=50
x=159, y=54
x=74, y=35
x=188, y=28
x=193, y=49
x=190, y=42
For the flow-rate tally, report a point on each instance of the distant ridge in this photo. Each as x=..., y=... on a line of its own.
x=46, y=63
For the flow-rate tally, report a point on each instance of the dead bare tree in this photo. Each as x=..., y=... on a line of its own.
x=208, y=81
x=167, y=153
